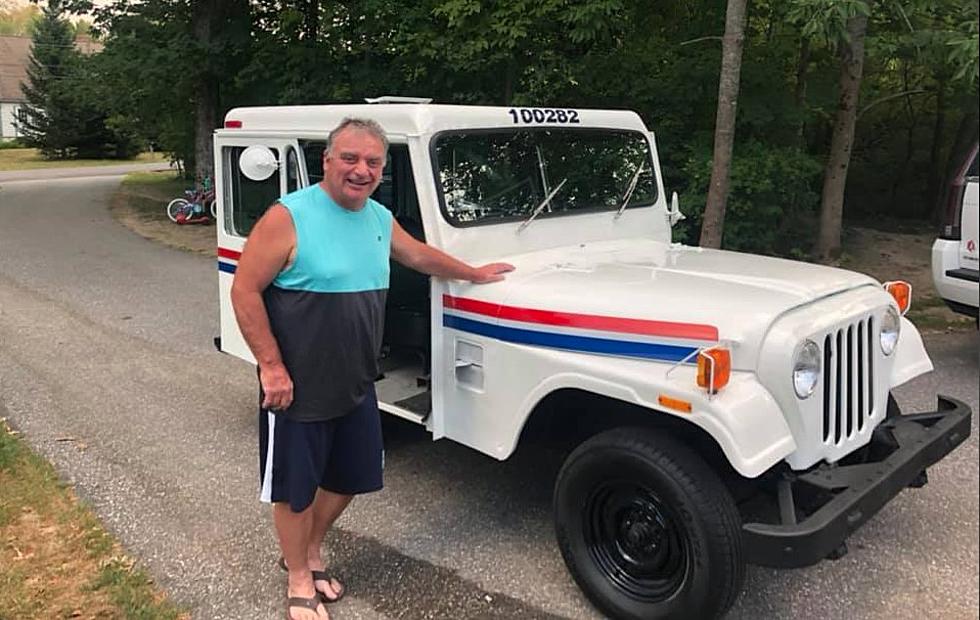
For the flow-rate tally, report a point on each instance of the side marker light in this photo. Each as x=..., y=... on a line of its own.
x=674, y=403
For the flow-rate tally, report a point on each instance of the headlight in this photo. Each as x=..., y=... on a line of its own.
x=890, y=326
x=806, y=369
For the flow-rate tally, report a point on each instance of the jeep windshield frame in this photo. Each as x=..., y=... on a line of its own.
x=490, y=176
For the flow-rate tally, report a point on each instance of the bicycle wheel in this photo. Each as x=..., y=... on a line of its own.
x=213, y=208
x=174, y=207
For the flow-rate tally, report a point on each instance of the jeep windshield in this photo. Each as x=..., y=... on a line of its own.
x=493, y=176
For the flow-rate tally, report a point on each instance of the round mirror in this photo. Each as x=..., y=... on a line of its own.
x=258, y=162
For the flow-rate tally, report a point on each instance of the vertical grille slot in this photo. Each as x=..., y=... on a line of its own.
x=841, y=386
x=848, y=382
x=871, y=366
x=828, y=357
x=861, y=378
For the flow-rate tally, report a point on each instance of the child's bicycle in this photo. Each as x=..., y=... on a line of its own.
x=195, y=207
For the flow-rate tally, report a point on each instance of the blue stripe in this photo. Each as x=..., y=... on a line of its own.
x=586, y=344
x=226, y=267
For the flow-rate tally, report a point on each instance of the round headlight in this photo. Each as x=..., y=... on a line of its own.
x=806, y=369
x=891, y=325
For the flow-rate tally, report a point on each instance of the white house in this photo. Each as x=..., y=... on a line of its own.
x=15, y=54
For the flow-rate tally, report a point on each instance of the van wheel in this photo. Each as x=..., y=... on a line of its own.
x=647, y=529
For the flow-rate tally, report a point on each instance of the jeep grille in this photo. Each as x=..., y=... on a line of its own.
x=848, y=387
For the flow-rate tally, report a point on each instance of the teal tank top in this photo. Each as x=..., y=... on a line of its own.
x=337, y=250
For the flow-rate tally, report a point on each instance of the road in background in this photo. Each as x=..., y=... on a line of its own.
x=107, y=367
x=40, y=174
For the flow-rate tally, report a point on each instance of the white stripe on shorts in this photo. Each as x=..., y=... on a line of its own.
x=266, y=494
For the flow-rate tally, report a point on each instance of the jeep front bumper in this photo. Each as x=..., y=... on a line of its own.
x=858, y=491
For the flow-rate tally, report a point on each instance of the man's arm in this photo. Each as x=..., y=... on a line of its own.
x=423, y=257
x=265, y=254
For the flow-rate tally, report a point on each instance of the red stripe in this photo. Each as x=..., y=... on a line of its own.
x=584, y=321
x=232, y=254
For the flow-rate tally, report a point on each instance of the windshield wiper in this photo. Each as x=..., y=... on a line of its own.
x=538, y=209
x=629, y=191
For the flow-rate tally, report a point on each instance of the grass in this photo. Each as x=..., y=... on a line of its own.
x=140, y=205
x=160, y=186
x=56, y=560
x=30, y=159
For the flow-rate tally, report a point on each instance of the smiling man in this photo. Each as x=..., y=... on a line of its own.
x=309, y=295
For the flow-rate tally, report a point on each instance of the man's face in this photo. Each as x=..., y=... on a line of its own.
x=352, y=168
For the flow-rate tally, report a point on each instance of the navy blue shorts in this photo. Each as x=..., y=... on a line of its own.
x=344, y=455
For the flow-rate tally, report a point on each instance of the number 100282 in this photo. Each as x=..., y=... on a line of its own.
x=544, y=115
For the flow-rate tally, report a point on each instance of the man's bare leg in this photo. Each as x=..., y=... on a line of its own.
x=327, y=506
x=294, y=529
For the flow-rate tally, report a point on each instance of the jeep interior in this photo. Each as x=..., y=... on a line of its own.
x=406, y=350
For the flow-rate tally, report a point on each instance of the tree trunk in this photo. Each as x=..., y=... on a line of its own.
x=899, y=178
x=933, y=187
x=311, y=20
x=206, y=14
x=713, y=224
x=842, y=141
x=802, y=66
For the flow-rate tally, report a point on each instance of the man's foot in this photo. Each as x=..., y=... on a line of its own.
x=329, y=588
x=305, y=608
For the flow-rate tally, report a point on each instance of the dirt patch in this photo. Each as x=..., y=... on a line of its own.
x=56, y=559
x=140, y=205
x=890, y=255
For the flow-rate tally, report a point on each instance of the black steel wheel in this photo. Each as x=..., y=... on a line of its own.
x=647, y=529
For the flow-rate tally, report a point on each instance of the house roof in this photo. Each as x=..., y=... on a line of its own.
x=15, y=52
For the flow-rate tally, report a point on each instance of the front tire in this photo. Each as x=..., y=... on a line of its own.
x=647, y=529
x=174, y=207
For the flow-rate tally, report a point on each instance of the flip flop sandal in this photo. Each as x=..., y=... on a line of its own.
x=319, y=575
x=312, y=604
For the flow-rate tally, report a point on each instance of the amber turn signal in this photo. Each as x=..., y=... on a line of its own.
x=902, y=292
x=674, y=403
x=714, y=368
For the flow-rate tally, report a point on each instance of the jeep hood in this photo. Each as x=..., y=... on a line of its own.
x=738, y=295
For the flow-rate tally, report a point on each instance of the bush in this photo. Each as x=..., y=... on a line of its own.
x=773, y=199
x=11, y=143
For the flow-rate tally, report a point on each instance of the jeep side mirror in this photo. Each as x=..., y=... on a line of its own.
x=258, y=163
x=674, y=214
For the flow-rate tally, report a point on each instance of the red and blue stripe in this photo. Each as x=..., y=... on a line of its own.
x=228, y=260
x=586, y=333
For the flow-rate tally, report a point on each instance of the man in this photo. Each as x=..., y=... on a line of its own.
x=309, y=297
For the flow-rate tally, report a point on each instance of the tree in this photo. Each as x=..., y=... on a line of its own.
x=18, y=20
x=731, y=65
x=835, y=173
x=50, y=124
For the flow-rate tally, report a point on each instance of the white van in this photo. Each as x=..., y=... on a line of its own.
x=729, y=408
x=955, y=264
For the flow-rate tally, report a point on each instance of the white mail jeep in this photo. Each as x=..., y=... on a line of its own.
x=731, y=408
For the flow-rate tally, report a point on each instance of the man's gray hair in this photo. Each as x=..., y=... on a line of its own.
x=361, y=124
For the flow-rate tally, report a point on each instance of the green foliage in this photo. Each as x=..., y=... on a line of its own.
x=773, y=201
x=660, y=59
x=18, y=19
x=826, y=19
x=64, y=117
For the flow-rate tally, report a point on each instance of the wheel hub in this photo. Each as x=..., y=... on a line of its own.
x=637, y=540
x=640, y=532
